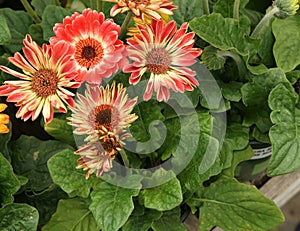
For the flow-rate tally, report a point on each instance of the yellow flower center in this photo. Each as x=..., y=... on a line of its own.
x=158, y=61
x=44, y=83
x=88, y=52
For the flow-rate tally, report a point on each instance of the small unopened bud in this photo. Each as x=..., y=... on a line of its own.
x=286, y=8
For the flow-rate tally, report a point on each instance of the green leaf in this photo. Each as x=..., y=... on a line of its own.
x=212, y=59
x=60, y=130
x=18, y=23
x=141, y=219
x=18, y=217
x=36, y=33
x=9, y=183
x=5, y=35
x=243, y=205
x=51, y=16
x=284, y=135
x=187, y=10
x=62, y=168
x=231, y=90
x=29, y=158
x=165, y=196
x=45, y=202
x=223, y=33
x=40, y=5
x=170, y=220
x=257, y=91
x=226, y=7
x=293, y=76
x=287, y=48
x=112, y=205
x=72, y=215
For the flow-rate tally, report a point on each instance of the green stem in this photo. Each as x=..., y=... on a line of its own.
x=236, y=9
x=99, y=5
x=205, y=7
x=238, y=60
x=57, y=2
x=264, y=22
x=124, y=158
x=125, y=24
x=30, y=11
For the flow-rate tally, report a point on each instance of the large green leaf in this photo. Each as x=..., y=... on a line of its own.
x=170, y=220
x=62, y=168
x=287, y=47
x=5, y=35
x=18, y=217
x=9, y=183
x=284, y=135
x=51, y=16
x=112, y=205
x=18, y=23
x=29, y=158
x=223, y=33
x=212, y=59
x=72, y=215
x=234, y=206
x=165, y=196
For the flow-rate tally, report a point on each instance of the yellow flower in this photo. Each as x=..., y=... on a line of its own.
x=286, y=7
x=4, y=119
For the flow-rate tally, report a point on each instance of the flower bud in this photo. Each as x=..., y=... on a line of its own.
x=286, y=8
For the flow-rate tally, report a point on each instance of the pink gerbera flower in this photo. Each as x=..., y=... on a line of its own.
x=46, y=73
x=150, y=8
x=166, y=54
x=102, y=115
x=97, y=49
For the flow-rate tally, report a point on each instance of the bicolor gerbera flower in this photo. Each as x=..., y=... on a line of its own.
x=97, y=49
x=4, y=119
x=102, y=115
x=152, y=8
x=47, y=71
x=167, y=54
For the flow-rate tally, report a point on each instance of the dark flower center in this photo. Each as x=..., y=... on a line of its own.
x=158, y=61
x=44, y=83
x=88, y=52
x=104, y=115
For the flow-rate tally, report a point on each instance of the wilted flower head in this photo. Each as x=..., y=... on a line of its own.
x=286, y=8
x=97, y=49
x=4, y=119
x=166, y=54
x=152, y=8
x=46, y=73
x=102, y=115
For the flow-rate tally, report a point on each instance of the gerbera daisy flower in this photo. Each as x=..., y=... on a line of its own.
x=152, y=8
x=166, y=54
x=97, y=49
x=102, y=115
x=4, y=119
x=47, y=71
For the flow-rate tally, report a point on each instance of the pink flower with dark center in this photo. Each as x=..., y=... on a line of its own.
x=167, y=54
x=97, y=49
x=150, y=8
x=47, y=72
x=102, y=115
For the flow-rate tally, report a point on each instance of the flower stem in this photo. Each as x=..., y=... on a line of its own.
x=125, y=24
x=238, y=60
x=236, y=9
x=124, y=158
x=99, y=5
x=264, y=22
x=205, y=7
x=30, y=11
x=57, y=2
